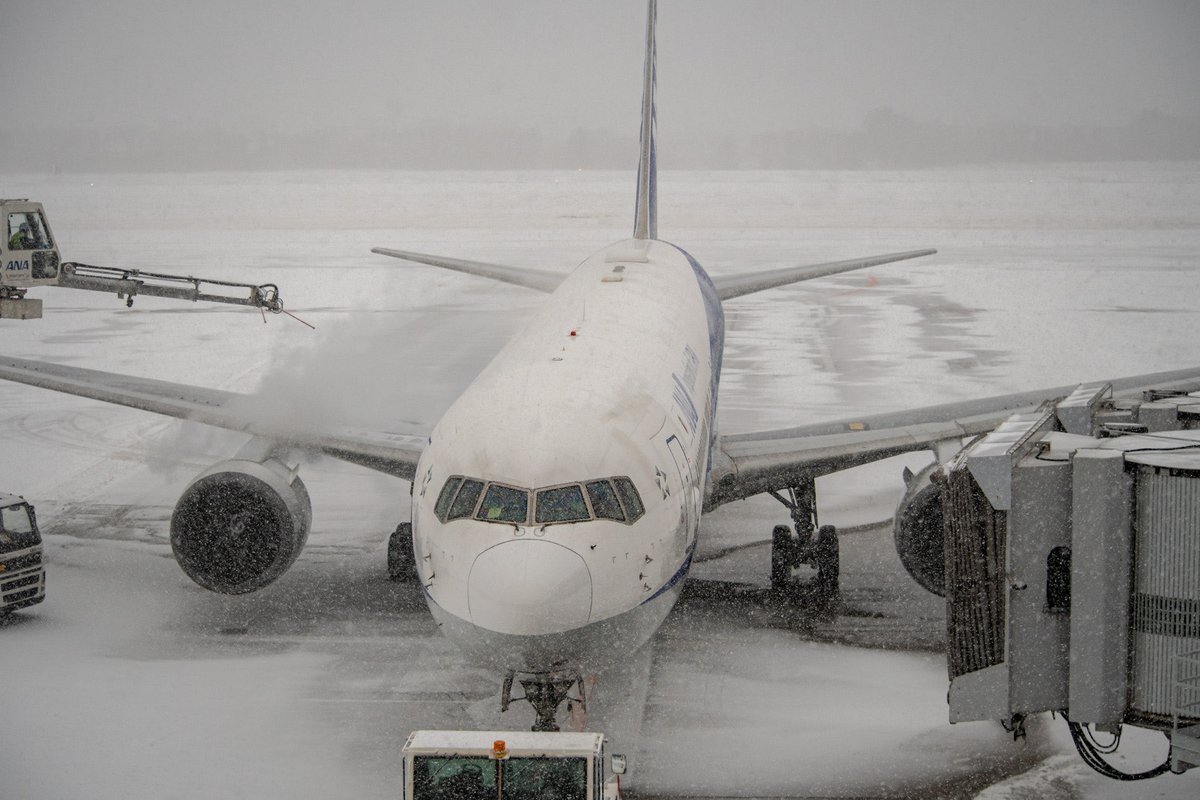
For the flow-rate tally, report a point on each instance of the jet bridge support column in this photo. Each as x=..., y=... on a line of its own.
x=1101, y=552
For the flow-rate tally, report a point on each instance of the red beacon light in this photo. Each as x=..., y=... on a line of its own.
x=499, y=749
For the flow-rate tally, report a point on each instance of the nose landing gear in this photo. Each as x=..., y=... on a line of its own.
x=545, y=693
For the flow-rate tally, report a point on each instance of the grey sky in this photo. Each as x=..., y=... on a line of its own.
x=724, y=65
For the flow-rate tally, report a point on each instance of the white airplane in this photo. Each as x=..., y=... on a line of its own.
x=556, y=503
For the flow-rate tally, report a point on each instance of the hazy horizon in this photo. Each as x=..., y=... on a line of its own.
x=556, y=84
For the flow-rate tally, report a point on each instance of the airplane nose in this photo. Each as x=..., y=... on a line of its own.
x=529, y=588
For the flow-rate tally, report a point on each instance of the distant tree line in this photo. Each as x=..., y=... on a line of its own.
x=885, y=139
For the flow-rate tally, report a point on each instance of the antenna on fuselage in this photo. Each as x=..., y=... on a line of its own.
x=645, y=220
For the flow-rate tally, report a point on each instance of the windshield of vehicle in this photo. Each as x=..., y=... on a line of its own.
x=27, y=231
x=442, y=778
x=16, y=529
x=520, y=778
x=544, y=778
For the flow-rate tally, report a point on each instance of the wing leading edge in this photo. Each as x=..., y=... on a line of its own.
x=729, y=286
x=394, y=453
x=751, y=463
x=540, y=280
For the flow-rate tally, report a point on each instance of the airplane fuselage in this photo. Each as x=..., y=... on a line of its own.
x=534, y=553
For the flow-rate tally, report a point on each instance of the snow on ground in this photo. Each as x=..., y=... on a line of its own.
x=134, y=682
x=92, y=710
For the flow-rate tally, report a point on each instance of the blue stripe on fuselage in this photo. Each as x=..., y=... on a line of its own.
x=715, y=314
x=679, y=575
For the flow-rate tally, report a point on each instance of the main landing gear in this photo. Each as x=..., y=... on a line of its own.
x=809, y=545
x=545, y=693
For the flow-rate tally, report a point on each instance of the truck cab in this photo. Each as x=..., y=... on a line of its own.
x=22, y=571
x=508, y=765
x=28, y=258
x=27, y=252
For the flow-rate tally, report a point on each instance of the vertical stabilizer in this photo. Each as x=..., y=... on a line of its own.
x=645, y=221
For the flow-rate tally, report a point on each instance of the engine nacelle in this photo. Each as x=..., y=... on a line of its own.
x=240, y=524
x=919, y=535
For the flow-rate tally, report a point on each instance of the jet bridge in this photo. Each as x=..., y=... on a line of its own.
x=1072, y=544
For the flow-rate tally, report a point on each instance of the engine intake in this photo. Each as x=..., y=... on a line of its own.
x=919, y=535
x=240, y=524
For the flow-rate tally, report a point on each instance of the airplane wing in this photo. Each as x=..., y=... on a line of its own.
x=751, y=463
x=529, y=278
x=394, y=453
x=737, y=285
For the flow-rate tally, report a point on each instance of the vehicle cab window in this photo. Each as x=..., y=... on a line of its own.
x=16, y=528
x=439, y=778
x=27, y=231
x=560, y=778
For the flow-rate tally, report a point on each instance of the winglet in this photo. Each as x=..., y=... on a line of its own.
x=645, y=221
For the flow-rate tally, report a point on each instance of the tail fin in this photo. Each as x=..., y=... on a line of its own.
x=645, y=220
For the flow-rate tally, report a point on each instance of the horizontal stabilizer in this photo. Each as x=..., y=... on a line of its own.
x=737, y=285
x=529, y=278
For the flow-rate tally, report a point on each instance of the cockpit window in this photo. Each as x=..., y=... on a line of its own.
x=465, y=500
x=443, y=501
x=561, y=504
x=606, y=498
x=604, y=501
x=629, y=498
x=504, y=504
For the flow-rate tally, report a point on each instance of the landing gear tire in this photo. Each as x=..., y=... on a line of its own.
x=783, y=556
x=827, y=557
x=401, y=560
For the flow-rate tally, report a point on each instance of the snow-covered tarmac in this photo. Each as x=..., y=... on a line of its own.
x=130, y=681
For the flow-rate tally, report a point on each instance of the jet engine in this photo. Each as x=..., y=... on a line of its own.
x=919, y=535
x=240, y=524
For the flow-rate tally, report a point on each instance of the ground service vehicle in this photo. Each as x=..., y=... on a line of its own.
x=22, y=573
x=29, y=258
x=508, y=765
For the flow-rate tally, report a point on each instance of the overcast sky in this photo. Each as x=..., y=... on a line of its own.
x=724, y=65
